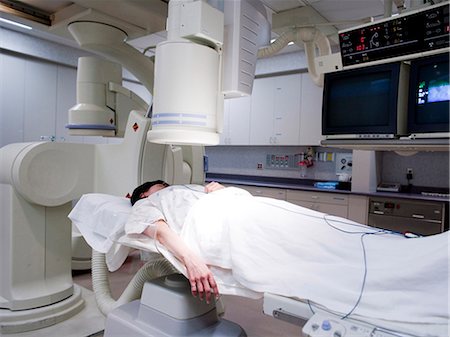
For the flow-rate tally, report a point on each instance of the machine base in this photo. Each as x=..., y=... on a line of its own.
x=127, y=320
x=81, y=252
x=27, y=320
x=167, y=308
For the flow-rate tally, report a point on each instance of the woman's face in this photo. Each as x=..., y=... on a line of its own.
x=153, y=189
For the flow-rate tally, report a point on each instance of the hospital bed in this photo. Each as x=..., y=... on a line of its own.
x=315, y=319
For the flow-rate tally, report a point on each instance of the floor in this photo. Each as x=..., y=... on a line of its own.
x=245, y=312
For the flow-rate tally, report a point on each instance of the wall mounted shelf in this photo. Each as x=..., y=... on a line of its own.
x=401, y=145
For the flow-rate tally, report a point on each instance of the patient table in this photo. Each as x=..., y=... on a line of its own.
x=318, y=321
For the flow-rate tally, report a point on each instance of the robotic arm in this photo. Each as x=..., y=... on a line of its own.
x=103, y=104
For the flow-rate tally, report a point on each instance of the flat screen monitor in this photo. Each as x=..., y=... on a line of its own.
x=367, y=102
x=429, y=96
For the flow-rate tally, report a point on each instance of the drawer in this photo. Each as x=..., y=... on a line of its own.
x=405, y=225
x=425, y=210
x=329, y=198
x=275, y=193
x=331, y=209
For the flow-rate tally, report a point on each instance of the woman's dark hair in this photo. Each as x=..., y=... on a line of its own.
x=138, y=191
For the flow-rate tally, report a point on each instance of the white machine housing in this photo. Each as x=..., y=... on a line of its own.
x=38, y=182
x=187, y=93
x=101, y=100
x=167, y=308
x=247, y=29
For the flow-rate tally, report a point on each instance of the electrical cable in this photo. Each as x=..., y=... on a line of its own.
x=363, y=234
x=328, y=221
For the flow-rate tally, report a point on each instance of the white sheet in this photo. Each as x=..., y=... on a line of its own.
x=274, y=246
x=101, y=219
x=264, y=245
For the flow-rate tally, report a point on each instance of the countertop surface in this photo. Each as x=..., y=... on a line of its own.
x=415, y=193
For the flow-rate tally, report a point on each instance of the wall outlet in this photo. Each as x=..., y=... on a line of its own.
x=409, y=173
x=344, y=163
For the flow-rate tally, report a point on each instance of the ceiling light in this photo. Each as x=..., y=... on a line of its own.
x=290, y=43
x=15, y=23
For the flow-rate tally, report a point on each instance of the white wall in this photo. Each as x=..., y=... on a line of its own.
x=36, y=92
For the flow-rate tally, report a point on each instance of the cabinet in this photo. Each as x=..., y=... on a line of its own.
x=236, y=121
x=358, y=208
x=311, y=112
x=275, y=110
x=282, y=110
x=261, y=115
x=276, y=193
x=329, y=203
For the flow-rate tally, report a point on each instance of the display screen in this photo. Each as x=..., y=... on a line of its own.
x=361, y=101
x=397, y=36
x=429, y=95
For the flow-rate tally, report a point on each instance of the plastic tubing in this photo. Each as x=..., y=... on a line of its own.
x=312, y=39
x=100, y=281
x=278, y=44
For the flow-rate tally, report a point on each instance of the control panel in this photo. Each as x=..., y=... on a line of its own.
x=415, y=32
x=328, y=325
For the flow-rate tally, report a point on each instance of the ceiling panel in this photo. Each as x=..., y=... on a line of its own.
x=282, y=5
x=342, y=11
x=150, y=15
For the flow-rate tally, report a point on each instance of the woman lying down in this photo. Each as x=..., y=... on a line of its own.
x=274, y=246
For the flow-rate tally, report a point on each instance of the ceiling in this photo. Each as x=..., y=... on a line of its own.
x=144, y=20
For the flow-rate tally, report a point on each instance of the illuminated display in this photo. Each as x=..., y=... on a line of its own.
x=413, y=33
x=429, y=101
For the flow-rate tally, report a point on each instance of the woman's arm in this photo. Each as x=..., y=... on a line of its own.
x=213, y=186
x=201, y=279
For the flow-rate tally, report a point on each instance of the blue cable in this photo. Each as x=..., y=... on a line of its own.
x=362, y=233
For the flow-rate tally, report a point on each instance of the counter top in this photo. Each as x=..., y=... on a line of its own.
x=308, y=185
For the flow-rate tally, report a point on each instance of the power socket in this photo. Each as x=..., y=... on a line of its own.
x=409, y=173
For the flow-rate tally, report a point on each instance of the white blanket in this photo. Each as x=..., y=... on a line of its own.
x=277, y=247
x=101, y=219
x=257, y=245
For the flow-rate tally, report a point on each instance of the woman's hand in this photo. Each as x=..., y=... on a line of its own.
x=200, y=277
x=213, y=186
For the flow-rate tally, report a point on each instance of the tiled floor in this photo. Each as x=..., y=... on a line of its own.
x=245, y=312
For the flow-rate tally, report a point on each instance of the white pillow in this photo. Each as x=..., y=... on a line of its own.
x=101, y=219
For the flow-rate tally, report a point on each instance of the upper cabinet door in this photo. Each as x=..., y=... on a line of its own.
x=236, y=128
x=287, y=109
x=261, y=117
x=239, y=121
x=224, y=136
x=282, y=110
x=311, y=112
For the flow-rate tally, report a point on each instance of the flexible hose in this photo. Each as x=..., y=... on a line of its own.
x=312, y=39
x=278, y=44
x=100, y=281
